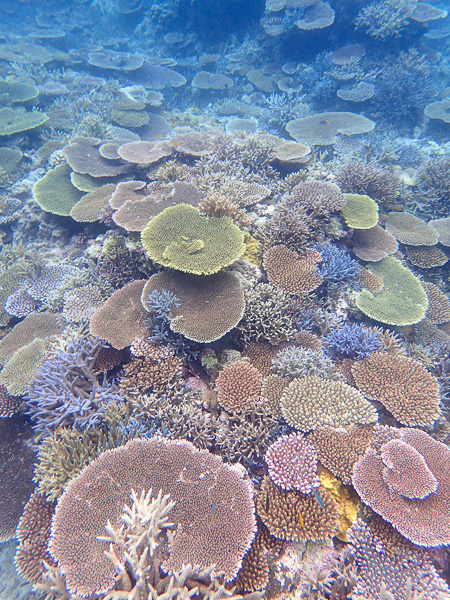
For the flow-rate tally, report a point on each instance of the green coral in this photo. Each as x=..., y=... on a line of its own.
x=14, y=91
x=180, y=238
x=55, y=193
x=360, y=211
x=10, y=281
x=16, y=120
x=22, y=366
x=402, y=301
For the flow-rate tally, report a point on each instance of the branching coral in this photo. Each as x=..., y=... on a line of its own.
x=66, y=391
x=265, y=315
x=351, y=341
x=300, y=362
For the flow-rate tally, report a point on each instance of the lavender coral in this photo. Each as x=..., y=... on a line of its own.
x=66, y=391
x=292, y=463
x=351, y=341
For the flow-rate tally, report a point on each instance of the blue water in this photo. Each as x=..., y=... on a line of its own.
x=308, y=144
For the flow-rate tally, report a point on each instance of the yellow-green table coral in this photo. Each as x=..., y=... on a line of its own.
x=402, y=301
x=16, y=120
x=55, y=193
x=180, y=238
x=15, y=91
x=360, y=211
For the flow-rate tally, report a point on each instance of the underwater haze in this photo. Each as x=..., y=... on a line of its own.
x=224, y=300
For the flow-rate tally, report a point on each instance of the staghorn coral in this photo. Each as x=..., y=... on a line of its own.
x=196, y=481
x=357, y=177
x=291, y=515
x=424, y=521
x=337, y=268
x=312, y=401
x=181, y=238
x=385, y=19
x=33, y=535
x=292, y=463
x=287, y=271
x=265, y=315
x=300, y=362
x=408, y=391
x=65, y=390
x=351, y=341
x=238, y=386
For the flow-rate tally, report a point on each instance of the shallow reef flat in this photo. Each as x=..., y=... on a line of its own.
x=224, y=300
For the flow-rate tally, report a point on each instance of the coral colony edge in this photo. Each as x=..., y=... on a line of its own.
x=224, y=300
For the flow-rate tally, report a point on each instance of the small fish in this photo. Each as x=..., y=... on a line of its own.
x=300, y=519
x=267, y=503
x=318, y=499
x=210, y=518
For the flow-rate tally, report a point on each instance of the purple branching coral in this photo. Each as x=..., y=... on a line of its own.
x=66, y=392
x=351, y=341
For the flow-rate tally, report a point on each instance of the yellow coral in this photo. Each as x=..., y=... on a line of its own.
x=346, y=498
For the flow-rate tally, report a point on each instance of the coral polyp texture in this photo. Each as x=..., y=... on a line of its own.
x=238, y=386
x=309, y=402
x=291, y=515
x=292, y=463
x=408, y=391
x=182, y=239
x=213, y=512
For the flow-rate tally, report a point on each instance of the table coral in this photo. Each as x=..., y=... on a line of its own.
x=402, y=301
x=182, y=239
x=213, y=510
x=424, y=520
x=292, y=463
x=408, y=391
x=312, y=401
x=238, y=386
